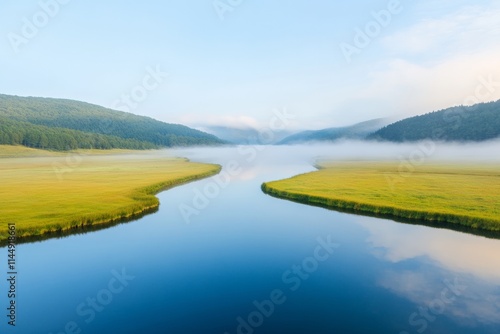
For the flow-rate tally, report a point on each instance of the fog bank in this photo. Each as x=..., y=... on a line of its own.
x=426, y=151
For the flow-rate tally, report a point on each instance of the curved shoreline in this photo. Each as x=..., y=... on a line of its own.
x=146, y=202
x=433, y=218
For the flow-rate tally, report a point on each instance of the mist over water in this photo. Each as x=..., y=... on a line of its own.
x=428, y=151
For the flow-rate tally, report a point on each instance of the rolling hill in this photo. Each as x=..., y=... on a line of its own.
x=474, y=123
x=61, y=124
x=356, y=131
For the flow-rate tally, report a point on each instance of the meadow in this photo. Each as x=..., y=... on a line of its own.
x=464, y=194
x=43, y=192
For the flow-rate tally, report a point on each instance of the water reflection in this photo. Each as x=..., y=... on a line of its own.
x=443, y=273
x=455, y=251
x=435, y=292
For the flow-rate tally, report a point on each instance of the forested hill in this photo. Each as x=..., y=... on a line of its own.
x=61, y=124
x=39, y=136
x=475, y=123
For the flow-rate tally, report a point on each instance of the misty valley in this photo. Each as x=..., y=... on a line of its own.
x=250, y=167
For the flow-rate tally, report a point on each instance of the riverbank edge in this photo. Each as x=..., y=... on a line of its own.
x=146, y=202
x=387, y=211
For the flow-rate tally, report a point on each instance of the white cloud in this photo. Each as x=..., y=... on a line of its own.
x=456, y=252
x=436, y=63
x=425, y=289
x=469, y=27
x=411, y=88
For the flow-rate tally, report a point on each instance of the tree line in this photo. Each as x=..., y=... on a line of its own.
x=60, y=139
x=60, y=123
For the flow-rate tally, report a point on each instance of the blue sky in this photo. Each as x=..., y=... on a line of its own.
x=235, y=67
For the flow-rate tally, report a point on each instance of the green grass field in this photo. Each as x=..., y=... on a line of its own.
x=44, y=192
x=463, y=194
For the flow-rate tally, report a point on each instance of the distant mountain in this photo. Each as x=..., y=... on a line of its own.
x=356, y=131
x=475, y=123
x=247, y=136
x=61, y=124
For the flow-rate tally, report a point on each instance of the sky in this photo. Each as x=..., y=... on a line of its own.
x=237, y=62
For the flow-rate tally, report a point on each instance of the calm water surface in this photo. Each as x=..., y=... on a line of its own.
x=222, y=257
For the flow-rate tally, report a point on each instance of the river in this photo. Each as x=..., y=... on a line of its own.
x=219, y=256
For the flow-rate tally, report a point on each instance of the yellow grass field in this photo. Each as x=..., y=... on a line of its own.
x=463, y=194
x=42, y=192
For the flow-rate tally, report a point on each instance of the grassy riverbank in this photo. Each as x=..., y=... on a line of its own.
x=43, y=192
x=467, y=195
